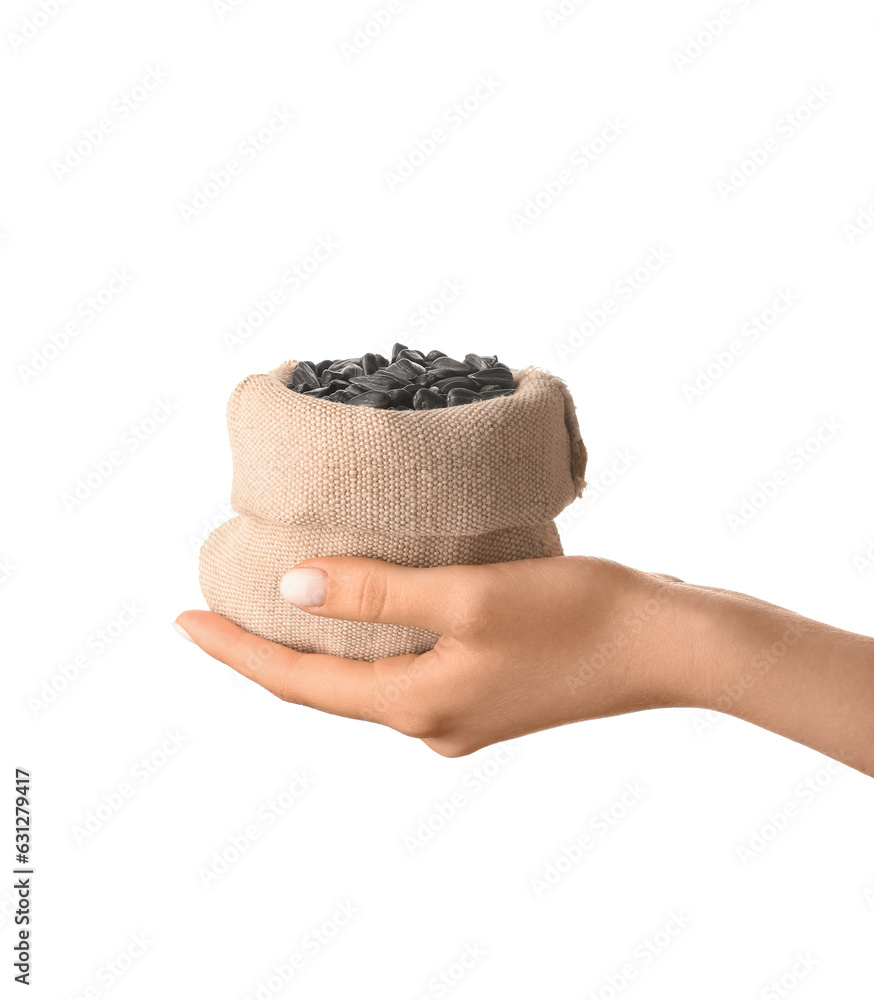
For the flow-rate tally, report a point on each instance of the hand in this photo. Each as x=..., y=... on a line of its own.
x=538, y=643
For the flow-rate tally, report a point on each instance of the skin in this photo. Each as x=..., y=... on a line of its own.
x=528, y=645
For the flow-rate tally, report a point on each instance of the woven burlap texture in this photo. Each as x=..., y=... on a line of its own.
x=466, y=484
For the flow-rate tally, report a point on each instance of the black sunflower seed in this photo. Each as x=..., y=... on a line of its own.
x=405, y=369
x=456, y=382
x=457, y=397
x=476, y=362
x=427, y=399
x=411, y=355
x=380, y=400
x=401, y=398
x=438, y=374
x=305, y=375
x=412, y=380
x=451, y=365
x=381, y=381
x=494, y=376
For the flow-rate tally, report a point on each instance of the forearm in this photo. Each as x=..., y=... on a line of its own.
x=804, y=680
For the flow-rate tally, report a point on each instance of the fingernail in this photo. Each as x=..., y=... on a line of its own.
x=307, y=588
x=182, y=631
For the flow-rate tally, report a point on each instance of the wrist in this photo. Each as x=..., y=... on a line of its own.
x=779, y=670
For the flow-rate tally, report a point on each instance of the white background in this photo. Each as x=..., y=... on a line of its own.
x=674, y=506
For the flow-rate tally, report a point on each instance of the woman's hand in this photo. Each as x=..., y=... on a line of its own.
x=538, y=643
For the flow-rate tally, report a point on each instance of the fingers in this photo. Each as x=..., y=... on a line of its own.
x=328, y=683
x=369, y=590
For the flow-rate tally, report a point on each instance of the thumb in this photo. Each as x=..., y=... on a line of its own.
x=350, y=588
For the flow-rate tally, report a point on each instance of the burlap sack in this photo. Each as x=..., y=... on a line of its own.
x=465, y=484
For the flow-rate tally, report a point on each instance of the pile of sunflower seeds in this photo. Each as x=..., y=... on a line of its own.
x=410, y=381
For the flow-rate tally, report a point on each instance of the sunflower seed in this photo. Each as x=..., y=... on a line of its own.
x=374, y=398
x=411, y=355
x=476, y=362
x=494, y=376
x=457, y=397
x=405, y=369
x=412, y=380
x=305, y=375
x=381, y=381
x=401, y=398
x=456, y=382
x=451, y=365
x=427, y=399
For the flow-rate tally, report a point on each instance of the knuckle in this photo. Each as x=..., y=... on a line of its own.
x=417, y=721
x=410, y=700
x=476, y=607
x=455, y=746
x=372, y=595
